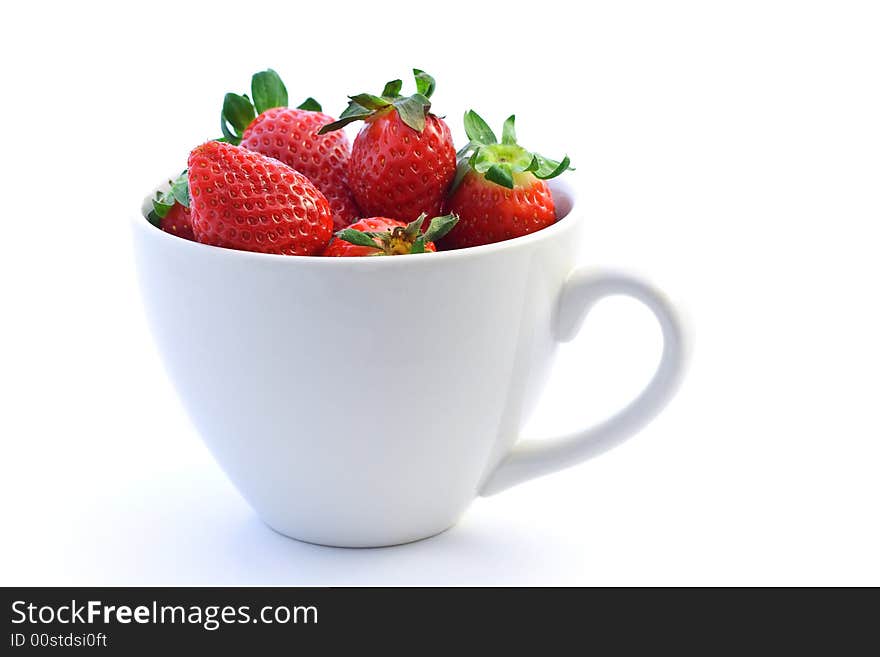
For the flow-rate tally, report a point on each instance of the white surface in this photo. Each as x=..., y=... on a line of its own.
x=730, y=153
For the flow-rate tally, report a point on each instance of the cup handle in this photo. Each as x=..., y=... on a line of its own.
x=534, y=458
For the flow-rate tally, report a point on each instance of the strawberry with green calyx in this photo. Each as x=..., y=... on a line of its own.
x=171, y=210
x=499, y=191
x=403, y=159
x=266, y=125
x=381, y=236
x=268, y=92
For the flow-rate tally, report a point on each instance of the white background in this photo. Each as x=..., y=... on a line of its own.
x=730, y=151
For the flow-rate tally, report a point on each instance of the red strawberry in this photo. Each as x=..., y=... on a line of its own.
x=500, y=191
x=291, y=135
x=403, y=159
x=178, y=222
x=171, y=210
x=377, y=236
x=245, y=200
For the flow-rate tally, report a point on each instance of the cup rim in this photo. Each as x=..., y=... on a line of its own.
x=562, y=191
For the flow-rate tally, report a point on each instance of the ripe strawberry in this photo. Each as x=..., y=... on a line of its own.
x=377, y=236
x=171, y=210
x=499, y=192
x=403, y=159
x=245, y=200
x=291, y=135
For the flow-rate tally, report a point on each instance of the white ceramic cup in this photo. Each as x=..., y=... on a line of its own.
x=367, y=401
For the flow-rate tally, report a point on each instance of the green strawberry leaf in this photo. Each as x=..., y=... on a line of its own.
x=465, y=150
x=178, y=192
x=440, y=226
x=481, y=160
x=354, y=112
x=310, y=104
x=412, y=110
x=162, y=206
x=418, y=245
x=154, y=218
x=354, y=236
x=500, y=174
x=477, y=129
x=237, y=114
x=369, y=101
x=413, y=228
x=268, y=91
x=180, y=189
x=392, y=89
x=229, y=137
x=461, y=170
x=545, y=168
x=508, y=132
x=425, y=84
x=354, y=109
x=341, y=123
